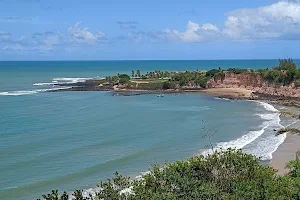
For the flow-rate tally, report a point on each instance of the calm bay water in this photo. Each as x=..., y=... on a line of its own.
x=71, y=140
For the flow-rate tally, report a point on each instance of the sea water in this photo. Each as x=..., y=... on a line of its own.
x=73, y=140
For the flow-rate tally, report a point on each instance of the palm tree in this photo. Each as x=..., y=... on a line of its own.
x=138, y=73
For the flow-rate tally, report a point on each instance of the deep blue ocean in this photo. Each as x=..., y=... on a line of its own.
x=73, y=140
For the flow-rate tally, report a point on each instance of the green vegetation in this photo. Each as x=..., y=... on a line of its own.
x=189, y=78
x=288, y=130
x=157, y=74
x=225, y=175
x=120, y=78
x=237, y=70
x=284, y=74
x=124, y=78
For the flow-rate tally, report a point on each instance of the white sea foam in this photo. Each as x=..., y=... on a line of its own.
x=64, y=80
x=30, y=92
x=218, y=98
x=239, y=142
x=41, y=84
x=71, y=80
x=267, y=106
x=266, y=143
x=18, y=93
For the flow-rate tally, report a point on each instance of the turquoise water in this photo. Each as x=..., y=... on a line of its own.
x=71, y=140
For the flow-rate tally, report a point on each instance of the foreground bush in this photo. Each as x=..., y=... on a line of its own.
x=230, y=174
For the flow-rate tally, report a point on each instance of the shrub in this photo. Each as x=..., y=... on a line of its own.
x=166, y=85
x=236, y=70
x=225, y=175
x=211, y=73
x=123, y=78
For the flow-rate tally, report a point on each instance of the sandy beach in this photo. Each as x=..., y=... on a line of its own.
x=287, y=150
x=229, y=92
x=285, y=153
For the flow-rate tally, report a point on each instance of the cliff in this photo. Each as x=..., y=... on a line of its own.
x=254, y=82
x=245, y=80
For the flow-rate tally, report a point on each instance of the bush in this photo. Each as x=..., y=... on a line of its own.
x=211, y=73
x=236, y=70
x=123, y=78
x=230, y=174
x=166, y=85
x=284, y=74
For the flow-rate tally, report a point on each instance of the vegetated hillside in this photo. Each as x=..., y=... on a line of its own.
x=282, y=80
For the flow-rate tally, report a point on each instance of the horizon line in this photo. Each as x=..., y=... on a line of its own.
x=121, y=60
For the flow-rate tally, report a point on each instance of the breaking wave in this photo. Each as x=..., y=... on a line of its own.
x=29, y=92
x=262, y=143
x=64, y=80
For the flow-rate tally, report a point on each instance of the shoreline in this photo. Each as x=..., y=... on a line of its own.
x=285, y=152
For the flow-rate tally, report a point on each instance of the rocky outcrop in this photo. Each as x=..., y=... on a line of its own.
x=252, y=81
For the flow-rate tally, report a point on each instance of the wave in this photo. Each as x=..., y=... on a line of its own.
x=18, y=93
x=30, y=92
x=64, y=80
x=219, y=98
x=267, y=106
x=268, y=142
x=71, y=80
x=41, y=84
x=267, y=145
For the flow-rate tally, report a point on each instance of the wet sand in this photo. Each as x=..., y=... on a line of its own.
x=229, y=92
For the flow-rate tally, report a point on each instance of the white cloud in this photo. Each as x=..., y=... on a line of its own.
x=279, y=20
x=84, y=36
x=194, y=33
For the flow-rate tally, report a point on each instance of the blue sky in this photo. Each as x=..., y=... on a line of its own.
x=156, y=29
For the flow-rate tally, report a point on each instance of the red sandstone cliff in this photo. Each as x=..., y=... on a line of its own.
x=254, y=82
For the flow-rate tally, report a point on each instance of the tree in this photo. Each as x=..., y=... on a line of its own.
x=132, y=74
x=123, y=78
x=138, y=73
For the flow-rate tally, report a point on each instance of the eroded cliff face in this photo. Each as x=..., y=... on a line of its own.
x=254, y=82
x=245, y=80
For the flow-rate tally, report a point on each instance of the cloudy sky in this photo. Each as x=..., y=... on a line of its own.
x=156, y=29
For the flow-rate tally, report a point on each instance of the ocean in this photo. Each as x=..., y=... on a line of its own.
x=73, y=140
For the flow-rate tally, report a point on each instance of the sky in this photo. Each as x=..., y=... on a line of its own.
x=147, y=30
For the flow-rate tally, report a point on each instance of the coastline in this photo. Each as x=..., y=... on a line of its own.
x=232, y=93
x=285, y=152
x=288, y=149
